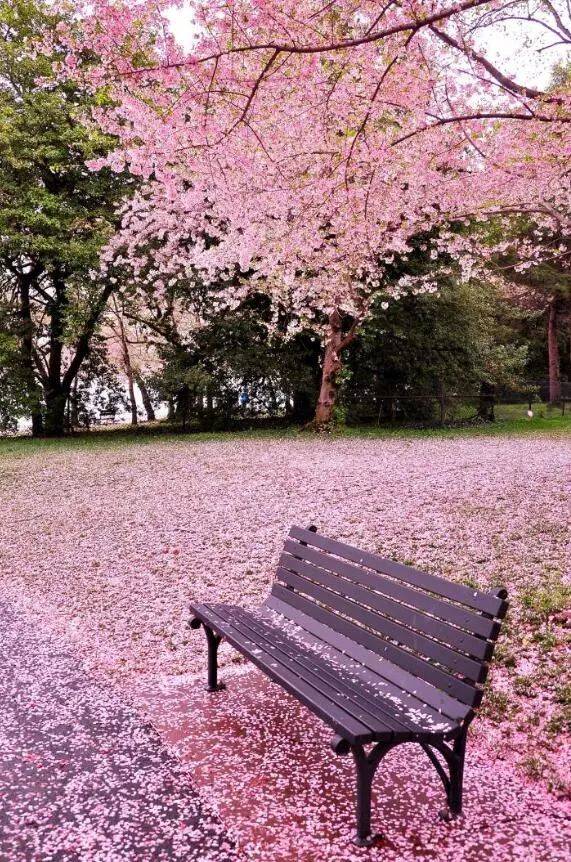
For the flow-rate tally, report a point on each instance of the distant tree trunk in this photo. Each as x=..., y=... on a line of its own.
x=128, y=368
x=147, y=403
x=171, y=411
x=486, y=403
x=37, y=423
x=302, y=406
x=132, y=399
x=553, y=351
x=28, y=357
x=183, y=405
x=73, y=419
x=335, y=343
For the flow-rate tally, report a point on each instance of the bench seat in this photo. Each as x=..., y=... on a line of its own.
x=362, y=702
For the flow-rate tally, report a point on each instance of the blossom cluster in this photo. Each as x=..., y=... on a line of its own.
x=304, y=145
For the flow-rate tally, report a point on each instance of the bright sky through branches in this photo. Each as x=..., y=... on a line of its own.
x=506, y=46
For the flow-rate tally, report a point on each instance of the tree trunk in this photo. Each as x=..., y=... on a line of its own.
x=147, y=403
x=56, y=392
x=128, y=369
x=553, y=351
x=328, y=390
x=37, y=423
x=56, y=401
x=74, y=407
x=183, y=405
x=302, y=406
x=486, y=402
x=132, y=399
x=28, y=358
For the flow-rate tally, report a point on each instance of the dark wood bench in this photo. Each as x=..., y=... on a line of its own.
x=383, y=653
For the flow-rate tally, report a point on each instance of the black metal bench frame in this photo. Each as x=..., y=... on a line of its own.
x=383, y=653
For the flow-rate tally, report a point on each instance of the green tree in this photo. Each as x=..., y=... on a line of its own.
x=461, y=340
x=55, y=213
x=238, y=364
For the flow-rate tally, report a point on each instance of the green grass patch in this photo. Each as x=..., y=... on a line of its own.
x=542, y=602
x=554, y=424
x=103, y=438
x=496, y=706
x=504, y=656
x=545, y=638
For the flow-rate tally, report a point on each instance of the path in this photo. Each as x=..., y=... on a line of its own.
x=81, y=776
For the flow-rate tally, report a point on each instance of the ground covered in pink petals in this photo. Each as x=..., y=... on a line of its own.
x=82, y=777
x=108, y=545
x=266, y=763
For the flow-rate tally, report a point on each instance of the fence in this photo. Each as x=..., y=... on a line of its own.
x=455, y=407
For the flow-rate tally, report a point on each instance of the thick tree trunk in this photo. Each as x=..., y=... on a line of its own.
x=553, y=351
x=335, y=343
x=56, y=392
x=54, y=422
x=37, y=423
x=147, y=403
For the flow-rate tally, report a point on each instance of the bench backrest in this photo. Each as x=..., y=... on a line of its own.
x=437, y=630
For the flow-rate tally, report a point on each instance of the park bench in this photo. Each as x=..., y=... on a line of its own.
x=381, y=652
x=106, y=416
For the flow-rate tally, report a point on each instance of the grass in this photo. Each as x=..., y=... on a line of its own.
x=119, y=436
x=540, y=603
x=497, y=706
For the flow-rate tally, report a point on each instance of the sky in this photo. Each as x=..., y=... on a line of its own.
x=506, y=49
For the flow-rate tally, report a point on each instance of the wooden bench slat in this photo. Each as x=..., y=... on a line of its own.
x=343, y=675
x=417, y=693
x=343, y=723
x=414, y=619
x=377, y=724
x=480, y=601
x=462, y=617
x=455, y=687
x=333, y=705
x=363, y=695
x=457, y=662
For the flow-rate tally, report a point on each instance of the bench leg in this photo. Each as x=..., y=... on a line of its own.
x=457, y=776
x=213, y=644
x=365, y=774
x=366, y=766
x=453, y=783
x=213, y=641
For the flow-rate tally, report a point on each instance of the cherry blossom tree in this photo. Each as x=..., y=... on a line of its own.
x=306, y=145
